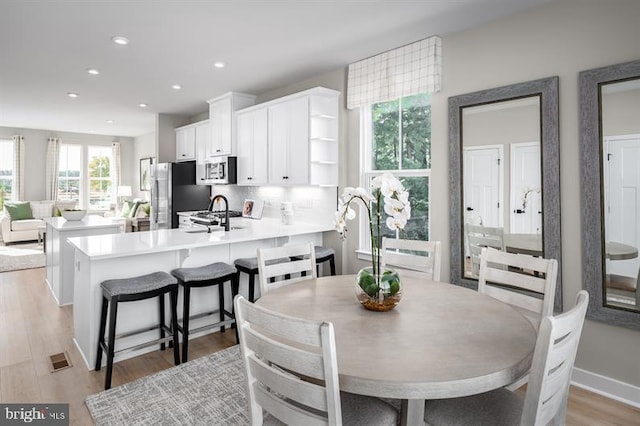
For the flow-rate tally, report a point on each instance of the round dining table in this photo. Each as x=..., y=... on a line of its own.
x=441, y=341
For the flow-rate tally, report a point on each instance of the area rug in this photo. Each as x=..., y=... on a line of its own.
x=14, y=257
x=206, y=391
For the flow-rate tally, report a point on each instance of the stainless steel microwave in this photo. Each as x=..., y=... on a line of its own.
x=220, y=170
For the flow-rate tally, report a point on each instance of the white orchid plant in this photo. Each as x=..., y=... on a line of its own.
x=387, y=189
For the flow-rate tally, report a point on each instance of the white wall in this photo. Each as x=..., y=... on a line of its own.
x=35, y=144
x=144, y=147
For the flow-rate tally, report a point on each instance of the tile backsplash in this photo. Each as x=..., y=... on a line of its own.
x=310, y=203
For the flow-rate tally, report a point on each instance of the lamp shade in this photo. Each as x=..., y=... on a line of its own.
x=124, y=191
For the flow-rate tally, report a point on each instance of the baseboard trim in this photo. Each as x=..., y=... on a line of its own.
x=606, y=386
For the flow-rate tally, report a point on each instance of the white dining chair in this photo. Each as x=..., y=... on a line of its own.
x=545, y=401
x=417, y=258
x=274, y=272
x=292, y=373
x=526, y=282
x=478, y=237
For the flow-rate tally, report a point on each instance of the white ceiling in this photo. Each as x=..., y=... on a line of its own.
x=47, y=45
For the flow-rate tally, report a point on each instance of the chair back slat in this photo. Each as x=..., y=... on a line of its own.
x=553, y=360
x=422, y=258
x=286, y=412
x=522, y=301
x=285, y=355
x=310, y=394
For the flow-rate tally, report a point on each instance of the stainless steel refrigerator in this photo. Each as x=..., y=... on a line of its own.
x=174, y=189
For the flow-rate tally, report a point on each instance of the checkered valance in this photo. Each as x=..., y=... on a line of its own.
x=407, y=70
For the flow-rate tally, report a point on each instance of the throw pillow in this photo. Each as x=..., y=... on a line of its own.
x=19, y=210
x=126, y=209
x=134, y=208
x=41, y=210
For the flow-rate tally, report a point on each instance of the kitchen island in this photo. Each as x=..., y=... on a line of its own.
x=103, y=257
x=59, y=254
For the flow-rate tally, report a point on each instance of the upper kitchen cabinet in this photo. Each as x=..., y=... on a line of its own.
x=252, y=147
x=289, y=142
x=223, y=123
x=186, y=143
x=303, y=138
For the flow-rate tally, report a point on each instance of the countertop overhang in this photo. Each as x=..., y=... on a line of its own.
x=125, y=244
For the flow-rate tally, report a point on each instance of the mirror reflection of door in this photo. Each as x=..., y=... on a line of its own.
x=526, y=200
x=621, y=175
x=508, y=131
x=483, y=189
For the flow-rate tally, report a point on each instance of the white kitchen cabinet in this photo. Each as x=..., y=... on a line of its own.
x=289, y=142
x=203, y=141
x=185, y=143
x=223, y=123
x=252, y=147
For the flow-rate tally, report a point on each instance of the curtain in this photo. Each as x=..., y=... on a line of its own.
x=116, y=176
x=53, y=160
x=407, y=70
x=17, y=192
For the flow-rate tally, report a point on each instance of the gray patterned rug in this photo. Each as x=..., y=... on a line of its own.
x=17, y=256
x=205, y=391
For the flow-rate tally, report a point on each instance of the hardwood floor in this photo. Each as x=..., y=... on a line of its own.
x=33, y=327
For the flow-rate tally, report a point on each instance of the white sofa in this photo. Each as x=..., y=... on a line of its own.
x=27, y=229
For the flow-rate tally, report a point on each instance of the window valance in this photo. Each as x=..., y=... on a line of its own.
x=407, y=70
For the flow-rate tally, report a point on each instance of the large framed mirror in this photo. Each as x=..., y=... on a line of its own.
x=610, y=178
x=504, y=175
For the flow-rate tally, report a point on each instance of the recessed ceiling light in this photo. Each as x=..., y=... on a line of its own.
x=72, y=95
x=123, y=41
x=219, y=64
x=143, y=105
x=93, y=71
x=176, y=87
x=110, y=121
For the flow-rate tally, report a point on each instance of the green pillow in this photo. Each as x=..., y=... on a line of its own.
x=19, y=210
x=134, y=208
x=126, y=208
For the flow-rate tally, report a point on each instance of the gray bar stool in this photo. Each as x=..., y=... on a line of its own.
x=249, y=265
x=156, y=284
x=324, y=254
x=204, y=276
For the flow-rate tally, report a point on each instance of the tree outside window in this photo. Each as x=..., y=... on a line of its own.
x=100, y=183
x=397, y=139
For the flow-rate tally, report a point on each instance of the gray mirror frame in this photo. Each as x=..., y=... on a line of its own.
x=547, y=89
x=592, y=190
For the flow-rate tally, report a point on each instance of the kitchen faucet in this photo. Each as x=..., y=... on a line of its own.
x=226, y=209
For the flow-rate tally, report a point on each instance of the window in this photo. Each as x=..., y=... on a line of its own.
x=6, y=170
x=100, y=184
x=396, y=138
x=70, y=173
x=85, y=176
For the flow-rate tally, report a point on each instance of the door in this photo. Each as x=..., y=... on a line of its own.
x=483, y=185
x=525, y=194
x=252, y=147
x=622, y=198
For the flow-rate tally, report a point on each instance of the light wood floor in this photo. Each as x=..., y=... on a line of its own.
x=33, y=327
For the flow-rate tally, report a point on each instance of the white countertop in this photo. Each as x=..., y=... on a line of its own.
x=132, y=243
x=89, y=221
